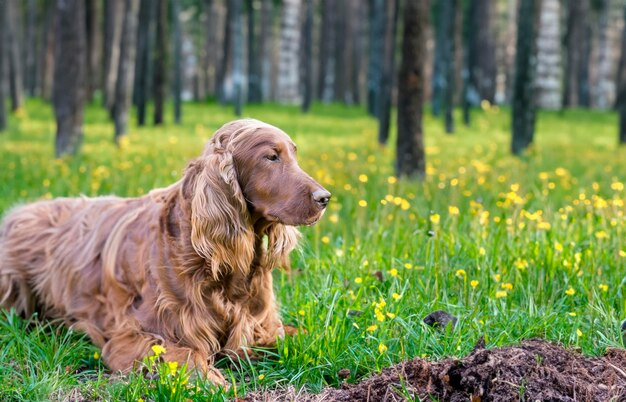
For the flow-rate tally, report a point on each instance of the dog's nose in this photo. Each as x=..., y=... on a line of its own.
x=321, y=197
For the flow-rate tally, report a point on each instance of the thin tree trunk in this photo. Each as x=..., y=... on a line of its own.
x=326, y=73
x=577, y=30
x=439, y=67
x=254, y=61
x=31, y=49
x=549, y=56
x=343, y=47
x=160, y=62
x=145, y=39
x=47, y=50
x=375, y=56
x=126, y=73
x=410, y=160
x=481, y=52
x=114, y=16
x=449, y=11
x=621, y=96
x=265, y=46
x=94, y=45
x=16, y=83
x=389, y=70
x=209, y=52
x=226, y=60
x=3, y=57
x=237, y=35
x=70, y=75
x=178, y=60
x=289, y=72
x=307, y=56
x=605, y=83
x=523, y=112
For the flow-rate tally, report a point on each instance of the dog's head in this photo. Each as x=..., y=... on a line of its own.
x=248, y=173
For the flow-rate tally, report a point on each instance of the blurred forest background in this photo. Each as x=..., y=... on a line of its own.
x=126, y=54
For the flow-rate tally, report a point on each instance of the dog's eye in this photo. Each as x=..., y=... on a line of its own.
x=273, y=157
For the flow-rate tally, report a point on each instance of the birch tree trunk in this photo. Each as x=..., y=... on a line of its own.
x=621, y=92
x=126, y=72
x=605, y=86
x=549, y=56
x=289, y=71
x=70, y=75
x=410, y=160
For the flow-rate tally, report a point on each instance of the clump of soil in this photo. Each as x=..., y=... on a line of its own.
x=533, y=370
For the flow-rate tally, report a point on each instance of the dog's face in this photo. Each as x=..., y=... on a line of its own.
x=273, y=184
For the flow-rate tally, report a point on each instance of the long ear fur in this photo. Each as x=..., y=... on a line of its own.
x=282, y=239
x=220, y=229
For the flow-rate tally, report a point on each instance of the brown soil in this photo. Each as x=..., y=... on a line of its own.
x=534, y=370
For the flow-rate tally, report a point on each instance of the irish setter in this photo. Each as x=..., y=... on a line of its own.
x=188, y=266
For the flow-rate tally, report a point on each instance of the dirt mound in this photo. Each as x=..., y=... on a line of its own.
x=533, y=370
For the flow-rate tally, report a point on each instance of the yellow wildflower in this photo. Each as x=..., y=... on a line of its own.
x=362, y=203
x=363, y=178
x=358, y=279
x=435, y=218
x=500, y=294
x=570, y=291
x=158, y=350
x=382, y=348
x=474, y=283
x=603, y=287
x=396, y=296
x=372, y=328
x=393, y=272
x=507, y=286
x=453, y=210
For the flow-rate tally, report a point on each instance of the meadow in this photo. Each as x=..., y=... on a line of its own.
x=516, y=248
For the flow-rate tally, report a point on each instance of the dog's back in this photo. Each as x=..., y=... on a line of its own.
x=50, y=258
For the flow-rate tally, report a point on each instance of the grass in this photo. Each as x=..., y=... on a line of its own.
x=515, y=247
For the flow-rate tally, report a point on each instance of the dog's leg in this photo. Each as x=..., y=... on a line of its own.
x=127, y=349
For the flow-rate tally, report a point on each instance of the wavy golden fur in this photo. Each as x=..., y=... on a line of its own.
x=185, y=266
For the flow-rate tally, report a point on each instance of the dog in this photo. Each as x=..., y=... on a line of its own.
x=188, y=267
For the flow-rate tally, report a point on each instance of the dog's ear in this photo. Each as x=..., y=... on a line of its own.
x=282, y=239
x=219, y=216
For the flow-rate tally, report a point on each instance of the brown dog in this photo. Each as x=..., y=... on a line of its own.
x=185, y=266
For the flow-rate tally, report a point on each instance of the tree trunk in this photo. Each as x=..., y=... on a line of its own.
x=621, y=80
x=70, y=75
x=254, y=61
x=289, y=71
x=226, y=60
x=113, y=18
x=237, y=36
x=145, y=39
x=481, y=58
x=16, y=83
x=265, y=47
x=209, y=56
x=549, y=56
x=30, y=70
x=3, y=57
x=160, y=62
x=126, y=73
x=178, y=60
x=575, y=39
x=357, y=64
x=47, y=50
x=308, y=56
x=605, y=84
x=410, y=160
x=389, y=70
x=94, y=45
x=326, y=74
x=439, y=67
x=376, y=45
x=342, y=49
x=523, y=112
x=449, y=12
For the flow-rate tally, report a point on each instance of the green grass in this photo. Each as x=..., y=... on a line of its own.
x=537, y=249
